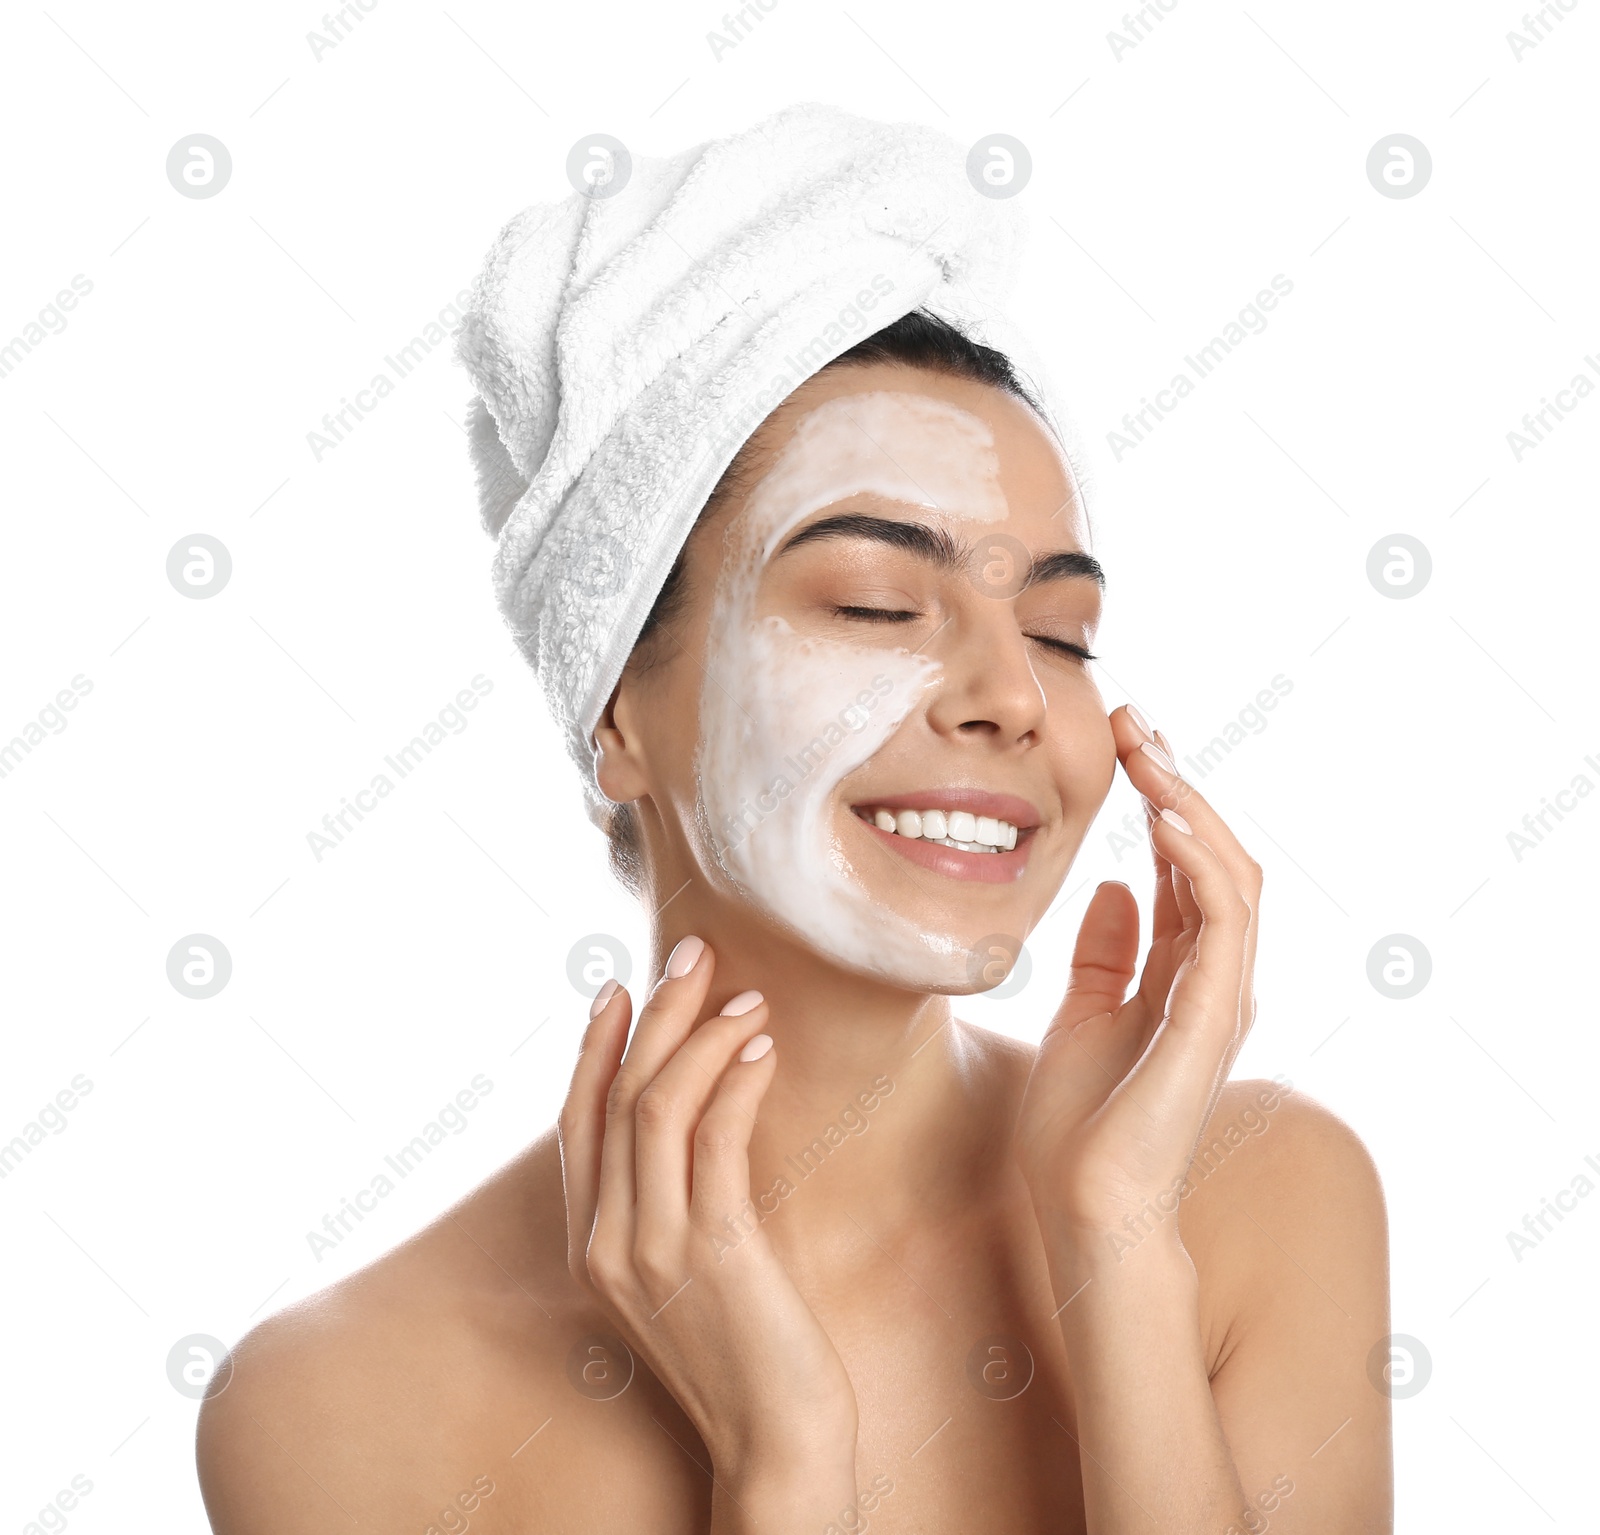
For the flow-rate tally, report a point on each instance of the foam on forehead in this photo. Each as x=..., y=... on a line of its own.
x=858, y=444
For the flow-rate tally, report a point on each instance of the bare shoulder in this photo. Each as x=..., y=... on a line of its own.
x=1284, y=1208
x=398, y=1394
x=1291, y=1150
x=1283, y=1217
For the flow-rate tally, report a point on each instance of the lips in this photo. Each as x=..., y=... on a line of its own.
x=994, y=863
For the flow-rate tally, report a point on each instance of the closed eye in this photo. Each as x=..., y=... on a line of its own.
x=1064, y=647
x=878, y=615
x=906, y=615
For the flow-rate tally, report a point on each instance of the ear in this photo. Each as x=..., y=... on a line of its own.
x=619, y=762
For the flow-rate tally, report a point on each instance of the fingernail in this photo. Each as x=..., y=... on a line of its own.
x=1165, y=745
x=1139, y=720
x=684, y=957
x=757, y=1048
x=1159, y=757
x=602, y=997
x=743, y=1003
x=1172, y=818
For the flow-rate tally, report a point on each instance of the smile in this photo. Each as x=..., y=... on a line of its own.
x=964, y=833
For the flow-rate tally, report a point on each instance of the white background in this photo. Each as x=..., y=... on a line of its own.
x=1169, y=186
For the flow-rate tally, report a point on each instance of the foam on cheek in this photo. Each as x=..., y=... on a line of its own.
x=785, y=717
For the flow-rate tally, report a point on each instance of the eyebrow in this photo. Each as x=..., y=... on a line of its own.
x=940, y=549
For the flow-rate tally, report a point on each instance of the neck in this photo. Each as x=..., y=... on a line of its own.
x=883, y=1109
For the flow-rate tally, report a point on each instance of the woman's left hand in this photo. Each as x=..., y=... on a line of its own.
x=1121, y=1089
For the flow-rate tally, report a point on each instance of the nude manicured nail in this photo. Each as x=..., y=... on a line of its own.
x=602, y=997
x=1159, y=757
x=1165, y=744
x=1139, y=721
x=1172, y=818
x=757, y=1048
x=684, y=957
x=743, y=1003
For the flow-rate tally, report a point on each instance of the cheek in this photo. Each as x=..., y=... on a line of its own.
x=788, y=717
x=1083, y=752
x=679, y=717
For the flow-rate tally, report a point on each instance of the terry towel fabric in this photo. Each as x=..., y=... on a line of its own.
x=624, y=347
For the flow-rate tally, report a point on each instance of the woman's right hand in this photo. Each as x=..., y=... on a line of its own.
x=660, y=1225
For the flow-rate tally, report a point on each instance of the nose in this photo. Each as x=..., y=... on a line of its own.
x=988, y=692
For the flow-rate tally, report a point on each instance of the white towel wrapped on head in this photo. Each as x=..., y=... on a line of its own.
x=624, y=347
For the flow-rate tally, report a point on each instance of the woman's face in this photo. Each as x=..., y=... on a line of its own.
x=882, y=654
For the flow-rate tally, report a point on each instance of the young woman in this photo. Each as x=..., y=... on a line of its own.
x=806, y=1252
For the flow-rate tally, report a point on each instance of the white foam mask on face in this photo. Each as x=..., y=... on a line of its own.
x=785, y=717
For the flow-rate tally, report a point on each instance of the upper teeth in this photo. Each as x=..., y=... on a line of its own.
x=955, y=828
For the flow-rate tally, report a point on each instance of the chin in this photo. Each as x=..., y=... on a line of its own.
x=930, y=953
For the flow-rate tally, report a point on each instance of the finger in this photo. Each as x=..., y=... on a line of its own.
x=1162, y=788
x=1129, y=732
x=580, y=1128
x=1246, y=872
x=721, y=1182
x=1224, y=912
x=1091, y=1025
x=1104, y=956
x=1181, y=1069
x=1188, y=905
x=1154, y=774
x=1167, y=923
x=665, y=1022
x=1166, y=931
x=671, y=1108
x=1177, y=911
x=669, y=1012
